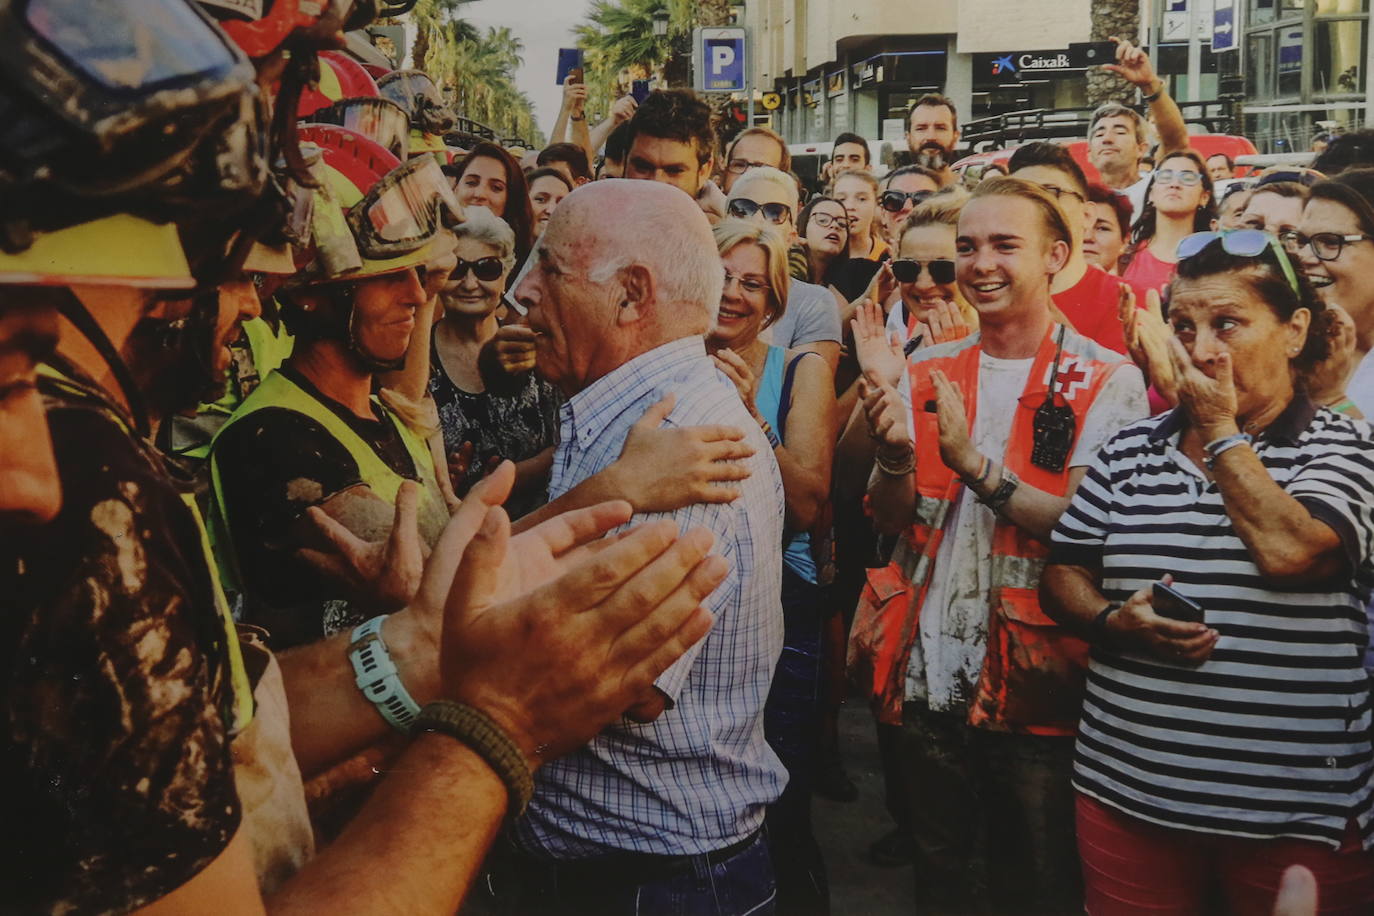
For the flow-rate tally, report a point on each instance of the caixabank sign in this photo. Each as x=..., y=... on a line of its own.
x=1019, y=66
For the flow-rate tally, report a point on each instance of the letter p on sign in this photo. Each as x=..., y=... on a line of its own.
x=719, y=59
x=722, y=56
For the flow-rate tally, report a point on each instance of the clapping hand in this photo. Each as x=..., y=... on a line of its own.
x=1147, y=340
x=879, y=353
x=884, y=413
x=946, y=322
x=956, y=446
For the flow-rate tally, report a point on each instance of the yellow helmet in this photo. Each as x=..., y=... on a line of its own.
x=118, y=250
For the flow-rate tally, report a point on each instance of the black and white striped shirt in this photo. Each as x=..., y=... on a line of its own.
x=1269, y=737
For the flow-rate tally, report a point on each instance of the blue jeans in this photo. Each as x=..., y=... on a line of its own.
x=517, y=885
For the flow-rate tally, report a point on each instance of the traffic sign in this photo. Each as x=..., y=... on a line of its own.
x=719, y=55
x=771, y=101
x=1225, y=26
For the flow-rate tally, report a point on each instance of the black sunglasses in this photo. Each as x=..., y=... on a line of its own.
x=894, y=201
x=907, y=270
x=486, y=269
x=744, y=208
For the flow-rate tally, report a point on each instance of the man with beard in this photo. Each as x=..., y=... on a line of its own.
x=932, y=133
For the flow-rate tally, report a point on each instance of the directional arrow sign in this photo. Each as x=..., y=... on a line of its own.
x=1224, y=27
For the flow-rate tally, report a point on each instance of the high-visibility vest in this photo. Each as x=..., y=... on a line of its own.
x=277, y=390
x=1033, y=672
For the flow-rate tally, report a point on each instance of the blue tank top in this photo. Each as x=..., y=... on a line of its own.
x=796, y=552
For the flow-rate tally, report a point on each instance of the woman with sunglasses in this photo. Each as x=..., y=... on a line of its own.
x=1217, y=557
x=930, y=308
x=1334, y=245
x=481, y=426
x=791, y=396
x=1178, y=203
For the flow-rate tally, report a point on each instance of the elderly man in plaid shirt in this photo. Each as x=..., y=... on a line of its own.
x=663, y=811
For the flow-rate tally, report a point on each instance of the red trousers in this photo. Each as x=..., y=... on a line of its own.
x=1132, y=867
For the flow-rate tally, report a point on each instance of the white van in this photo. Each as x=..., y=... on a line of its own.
x=809, y=158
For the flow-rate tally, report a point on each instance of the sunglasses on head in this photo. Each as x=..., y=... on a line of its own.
x=907, y=270
x=744, y=208
x=485, y=269
x=1243, y=243
x=894, y=201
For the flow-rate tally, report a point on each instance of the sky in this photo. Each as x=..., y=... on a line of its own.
x=544, y=26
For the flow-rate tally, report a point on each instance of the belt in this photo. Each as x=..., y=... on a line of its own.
x=627, y=867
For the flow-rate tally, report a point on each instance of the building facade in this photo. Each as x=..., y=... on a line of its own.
x=856, y=65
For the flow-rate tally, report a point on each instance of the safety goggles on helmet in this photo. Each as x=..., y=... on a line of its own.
x=138, y=106
x=1243, y=243
x=403, y=210
x=379, y=119
x=414, y=91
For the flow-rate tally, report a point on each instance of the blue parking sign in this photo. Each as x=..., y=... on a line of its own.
x=720, y=60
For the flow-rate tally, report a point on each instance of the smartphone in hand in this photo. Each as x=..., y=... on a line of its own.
x=639, y=90
x=1170, y=603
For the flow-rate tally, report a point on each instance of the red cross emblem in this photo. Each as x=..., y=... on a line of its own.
x=1074, y=376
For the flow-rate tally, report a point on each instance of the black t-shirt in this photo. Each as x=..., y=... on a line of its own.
x=116, y=784
x=852, y=276
x=274, y=464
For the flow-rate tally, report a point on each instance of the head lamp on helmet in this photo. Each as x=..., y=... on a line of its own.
x=124, y=106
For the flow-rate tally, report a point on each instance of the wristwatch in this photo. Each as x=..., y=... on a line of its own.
x=376, y=676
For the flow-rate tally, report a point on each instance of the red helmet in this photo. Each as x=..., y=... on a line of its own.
x=341, y=77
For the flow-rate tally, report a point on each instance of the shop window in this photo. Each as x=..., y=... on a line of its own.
x=1341, y=7
x=1259, y=75
x=1340, y=54
x=1261, y=11
x=1289, y=66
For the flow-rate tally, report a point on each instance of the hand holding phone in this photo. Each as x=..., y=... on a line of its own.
x=1169, y=602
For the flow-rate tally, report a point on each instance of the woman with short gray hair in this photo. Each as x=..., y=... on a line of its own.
x=481, y=427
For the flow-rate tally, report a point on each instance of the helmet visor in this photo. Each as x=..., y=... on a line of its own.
x=405, y=209
x=132, y=45
x=378, y=119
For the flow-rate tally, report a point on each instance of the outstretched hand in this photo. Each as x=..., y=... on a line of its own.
x=384, y=574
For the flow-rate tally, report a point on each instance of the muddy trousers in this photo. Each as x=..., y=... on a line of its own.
x=992, y=815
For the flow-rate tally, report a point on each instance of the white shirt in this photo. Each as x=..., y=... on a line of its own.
x=1360, y=388
x=946, y=661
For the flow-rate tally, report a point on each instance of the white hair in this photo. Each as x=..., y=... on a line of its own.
x=673, y=241
x=481, y=225
x=766, y=174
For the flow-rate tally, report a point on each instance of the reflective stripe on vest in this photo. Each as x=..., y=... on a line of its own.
x=279, y=391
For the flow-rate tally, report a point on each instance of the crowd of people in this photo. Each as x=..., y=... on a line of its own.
x=394, y=521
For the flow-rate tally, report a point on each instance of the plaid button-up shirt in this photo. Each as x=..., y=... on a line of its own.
x=697, y=778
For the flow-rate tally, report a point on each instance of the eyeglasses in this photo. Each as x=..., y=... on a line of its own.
x=1243, y=243
x=829, y=220
x=1059, y=192
x=1186, y=177
x=894, y=201
x=1326, y=246
x=907, y=270
x=749, y=285
x=485, y=269
x=740, y=166
x=744, y=208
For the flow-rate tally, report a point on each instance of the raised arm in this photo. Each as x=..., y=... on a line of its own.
x=1133, y=65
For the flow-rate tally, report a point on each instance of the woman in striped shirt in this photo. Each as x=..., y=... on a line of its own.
x=1214, y=752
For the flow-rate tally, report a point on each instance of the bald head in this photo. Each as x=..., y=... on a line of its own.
x=605, y=226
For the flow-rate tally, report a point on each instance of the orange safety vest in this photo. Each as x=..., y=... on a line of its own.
x=1033, y=673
